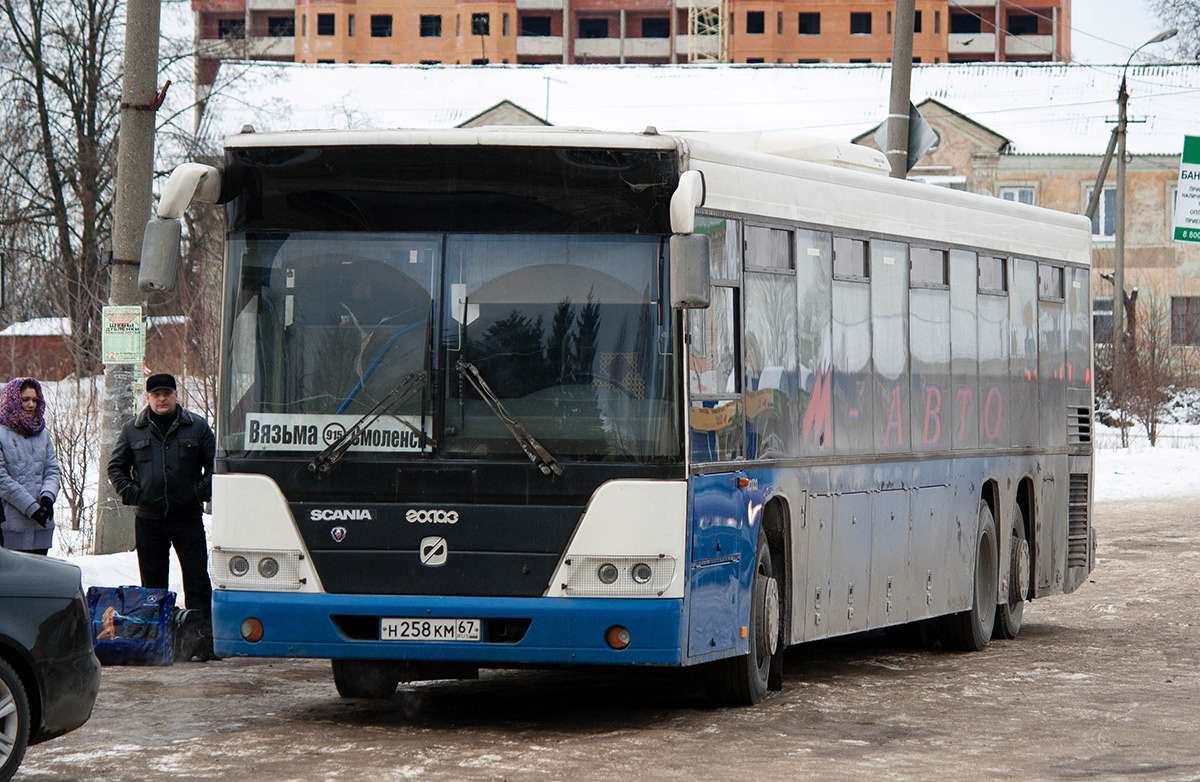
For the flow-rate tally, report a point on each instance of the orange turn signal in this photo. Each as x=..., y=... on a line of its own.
x=617, y=637
x=252, y=630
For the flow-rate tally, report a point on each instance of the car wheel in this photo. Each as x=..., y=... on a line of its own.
x=14, y=721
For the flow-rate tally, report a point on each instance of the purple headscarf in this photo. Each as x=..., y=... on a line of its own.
x=12, y=413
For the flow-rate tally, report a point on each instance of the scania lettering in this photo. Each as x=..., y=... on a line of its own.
x=358, y=514
x=698, y=402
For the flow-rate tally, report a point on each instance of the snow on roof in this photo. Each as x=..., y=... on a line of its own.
x=1046, y=108
x=61, y=327
x=39, y=327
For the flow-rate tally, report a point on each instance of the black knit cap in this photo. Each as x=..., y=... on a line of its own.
x=160, y=383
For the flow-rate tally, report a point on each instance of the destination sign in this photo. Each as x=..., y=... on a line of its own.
x=312, y=433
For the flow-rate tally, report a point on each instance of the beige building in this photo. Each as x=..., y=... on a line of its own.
x=530, y=32
x=1166, y=274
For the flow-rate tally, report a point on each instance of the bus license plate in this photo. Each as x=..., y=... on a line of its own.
x=429, y=629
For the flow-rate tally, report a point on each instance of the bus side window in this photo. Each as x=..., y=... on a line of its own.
x=770, y=377
x=964, y=351
x=714, y=365
x=725, y=246
x=814, y=292
x=993, y=332
x=889, y=344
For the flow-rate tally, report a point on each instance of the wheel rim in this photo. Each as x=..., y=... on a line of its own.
x=1019, y=589
x=9, y=723
x=767, y=640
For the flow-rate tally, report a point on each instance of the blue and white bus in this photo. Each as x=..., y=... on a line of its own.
x=509, y=397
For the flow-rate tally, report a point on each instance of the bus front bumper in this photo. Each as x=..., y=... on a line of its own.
x=538, y=631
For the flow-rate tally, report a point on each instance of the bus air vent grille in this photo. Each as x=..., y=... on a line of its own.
x=1079, y=425
x=1077, y=522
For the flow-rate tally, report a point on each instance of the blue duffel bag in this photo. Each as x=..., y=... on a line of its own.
x=133, y=625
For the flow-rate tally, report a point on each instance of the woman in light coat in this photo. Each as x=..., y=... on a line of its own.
x=29, y=472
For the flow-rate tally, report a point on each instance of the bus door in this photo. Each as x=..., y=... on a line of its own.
x=718, y=525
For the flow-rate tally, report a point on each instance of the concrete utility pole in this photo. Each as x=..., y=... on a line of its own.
x=135, y=168
x=1116, y=145
x=1118, y=321
x=902, y=43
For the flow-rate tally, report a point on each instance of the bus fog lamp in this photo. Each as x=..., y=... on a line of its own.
x=607, y=573
x=252, y=630
x=616, y=637
x=641, y=572
x=239, y=566
x=268, y=567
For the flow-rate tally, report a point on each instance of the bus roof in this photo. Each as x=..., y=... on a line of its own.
x=793, y=178
x=745, y=182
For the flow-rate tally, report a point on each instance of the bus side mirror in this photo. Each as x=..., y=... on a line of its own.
x=161, y=254
x=690, y=285
x=161, y=248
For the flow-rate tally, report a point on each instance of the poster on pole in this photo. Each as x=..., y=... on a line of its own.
x=1187, y=197
x=123, y=340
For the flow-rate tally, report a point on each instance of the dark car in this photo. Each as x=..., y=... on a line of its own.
x=49, y=674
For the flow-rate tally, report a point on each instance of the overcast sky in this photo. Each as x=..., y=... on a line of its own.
x=1106, y=31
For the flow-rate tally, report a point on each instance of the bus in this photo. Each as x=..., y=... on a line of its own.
x=511, y=397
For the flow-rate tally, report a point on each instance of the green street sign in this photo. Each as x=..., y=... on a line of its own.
x=1187, y=197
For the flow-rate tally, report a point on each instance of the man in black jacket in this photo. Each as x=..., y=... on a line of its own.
x=163, y=464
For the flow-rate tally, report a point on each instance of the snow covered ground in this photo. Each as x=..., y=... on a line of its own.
x=1167, y=470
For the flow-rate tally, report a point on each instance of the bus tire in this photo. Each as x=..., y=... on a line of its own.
x=743, y=680
x=1010, y=614
x=14, y=720
x=970, y=631
x=373, y=679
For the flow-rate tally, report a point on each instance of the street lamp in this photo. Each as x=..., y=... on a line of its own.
x=1118, y=143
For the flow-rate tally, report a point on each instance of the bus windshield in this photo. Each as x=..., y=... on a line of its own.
x=570, y=333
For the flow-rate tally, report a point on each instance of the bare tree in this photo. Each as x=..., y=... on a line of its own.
x=1184, y=15
x=73, y=412
x=59, y=87
x=1154, y=367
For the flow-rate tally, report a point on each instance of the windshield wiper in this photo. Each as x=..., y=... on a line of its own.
x=532, y=448
x=325, y=460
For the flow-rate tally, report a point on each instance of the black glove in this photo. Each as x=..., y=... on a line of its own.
x=48, y=504
x=41, y=515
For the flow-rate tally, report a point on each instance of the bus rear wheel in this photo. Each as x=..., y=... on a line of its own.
x=970, y=630
x=743, y=681
x=1010, y=613
x=373, y=679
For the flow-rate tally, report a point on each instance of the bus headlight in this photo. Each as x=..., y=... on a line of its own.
x=268, y=567
x=255, y=569
x=618, y=576
x=239, y=566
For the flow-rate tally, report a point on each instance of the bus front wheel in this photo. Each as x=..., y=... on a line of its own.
x=970, y=630
x=742, y=681
x=374, y=679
